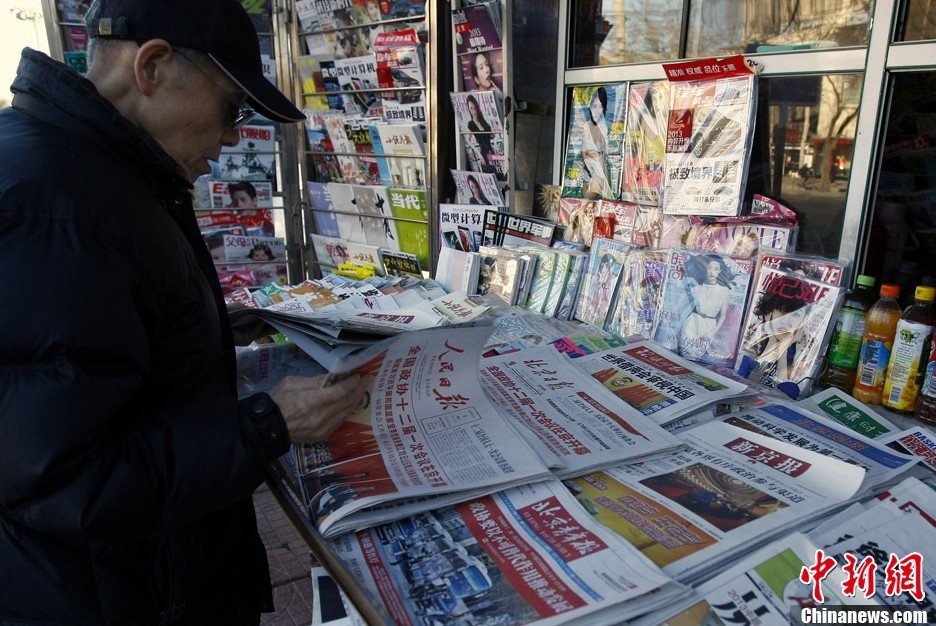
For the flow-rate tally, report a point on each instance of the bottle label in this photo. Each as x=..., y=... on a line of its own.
x=929, y=385
x=845, y=345
x=904, y=374
x=873, y=363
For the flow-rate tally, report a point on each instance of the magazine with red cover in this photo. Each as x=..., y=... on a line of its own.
x=788, y=324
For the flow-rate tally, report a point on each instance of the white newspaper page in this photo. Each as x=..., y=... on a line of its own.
x=841, y=407
x=883, y=465
x=426, y=428
x=657, y=382
x=692, y=511
x=893, y=547
x=523, y=555
x=576, y=424
x=763, y=588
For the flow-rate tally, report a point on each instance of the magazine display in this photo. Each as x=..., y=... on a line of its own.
x=409, y=208
x=511, y=229
x=577, y=216
x=708, y=145
x=401, y=154
x=605, y=263
x=544, y=271
x=483, y=71
x=736, y=239
x=477, y=27
x=481, y=130
x=253, y=158
x=630, y=223
x=787, y=326
x=524, y=555
x=693, y=512
x=503, y=273
x=350, y=224
x=638, y=298
x=357, y=78
x=656, y=382
x=594, y=157
x=818, y=268
x=462, y=225
x=477, y=188
x=371, y=204
x=701, y=306
x=414, y=440
x=397, y=263
x=574, y=423
x=645, y=142
x=458, y=270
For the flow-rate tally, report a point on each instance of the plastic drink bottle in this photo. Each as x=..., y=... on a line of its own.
x=926, y=404
x=908, y=356
x=880, y=328
x=845, y=344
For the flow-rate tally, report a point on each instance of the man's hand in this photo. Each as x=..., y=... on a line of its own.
x=313, y=412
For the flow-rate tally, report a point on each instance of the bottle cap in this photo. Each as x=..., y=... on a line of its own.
x=889, y=290
x=867, y=281
x=925, y=293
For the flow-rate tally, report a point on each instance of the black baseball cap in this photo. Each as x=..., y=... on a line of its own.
x=220, y=28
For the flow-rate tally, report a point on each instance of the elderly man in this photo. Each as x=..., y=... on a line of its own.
x=127, y=463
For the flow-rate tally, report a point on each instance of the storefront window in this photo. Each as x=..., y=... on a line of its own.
x=903, y=230
x=920, y=21
x=808, y=125
x=609, y=32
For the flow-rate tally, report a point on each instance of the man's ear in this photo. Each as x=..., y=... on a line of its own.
x=151, y=65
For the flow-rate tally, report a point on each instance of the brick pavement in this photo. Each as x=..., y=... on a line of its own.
x=290, y=563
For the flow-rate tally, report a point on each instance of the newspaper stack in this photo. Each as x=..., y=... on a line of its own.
x=426, y=436
x=695, y=512
x=334, y=317
x=524, y=555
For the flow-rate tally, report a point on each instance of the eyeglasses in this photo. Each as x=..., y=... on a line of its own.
x=240, y=114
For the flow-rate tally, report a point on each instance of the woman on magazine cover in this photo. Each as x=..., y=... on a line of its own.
x=477, y=196
x=709, y=299
x=595, y=148
x=483, y=75
x=773, y=343
x=481, y=130
x=602, y=289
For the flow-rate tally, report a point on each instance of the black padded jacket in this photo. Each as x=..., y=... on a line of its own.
x=127, y=464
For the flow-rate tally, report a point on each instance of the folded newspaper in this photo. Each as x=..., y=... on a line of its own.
x=427, y=435
x=574, y=423
x=529, y=554
x=694, y=512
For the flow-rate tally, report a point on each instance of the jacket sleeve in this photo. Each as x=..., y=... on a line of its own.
x=113, y=423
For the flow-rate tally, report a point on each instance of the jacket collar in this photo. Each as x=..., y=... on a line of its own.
x=57, y=94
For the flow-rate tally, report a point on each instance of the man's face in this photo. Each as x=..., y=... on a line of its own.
x=242, y=200
x=198, y=121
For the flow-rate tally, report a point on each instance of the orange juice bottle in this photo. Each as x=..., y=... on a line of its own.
x=909, y=355
x=876, y=344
